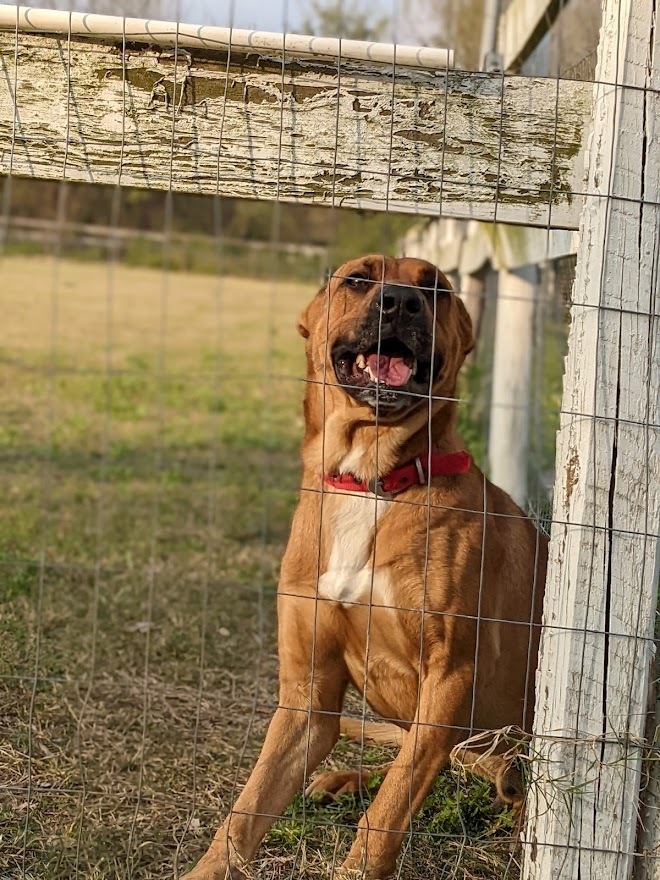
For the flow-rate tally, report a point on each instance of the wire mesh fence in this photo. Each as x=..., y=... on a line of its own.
x=152, y=400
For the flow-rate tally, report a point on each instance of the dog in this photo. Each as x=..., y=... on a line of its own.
x=407, y=573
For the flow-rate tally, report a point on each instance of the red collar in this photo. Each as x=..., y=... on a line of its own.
x=442, y=464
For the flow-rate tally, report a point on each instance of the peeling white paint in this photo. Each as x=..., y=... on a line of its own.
x=479, y=145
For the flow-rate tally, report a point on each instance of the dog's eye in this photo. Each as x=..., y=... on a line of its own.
x=357, y=281
x=434, y=284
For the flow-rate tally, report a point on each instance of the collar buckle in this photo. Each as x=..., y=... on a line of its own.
x=420, y=471
x=376, y=486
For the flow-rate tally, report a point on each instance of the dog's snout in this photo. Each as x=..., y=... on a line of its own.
x=396, y=301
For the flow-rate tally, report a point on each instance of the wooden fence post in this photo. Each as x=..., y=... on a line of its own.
x=508, y=440
x=473, y=291
x=601, y=593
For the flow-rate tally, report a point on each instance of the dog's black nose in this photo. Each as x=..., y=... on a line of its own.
x=397, y=301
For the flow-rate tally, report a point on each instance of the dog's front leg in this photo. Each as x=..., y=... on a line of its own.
x=304, y=729
x=443, y=709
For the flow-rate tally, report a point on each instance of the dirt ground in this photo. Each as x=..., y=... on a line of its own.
x=149, y=429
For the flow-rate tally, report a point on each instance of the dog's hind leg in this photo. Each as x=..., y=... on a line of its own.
x=500, y=769
x=335, y=783
x=375, y=733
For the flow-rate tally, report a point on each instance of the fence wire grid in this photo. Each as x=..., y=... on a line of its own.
x=152, y=385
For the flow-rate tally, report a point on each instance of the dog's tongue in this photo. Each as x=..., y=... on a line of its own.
x=390, y=370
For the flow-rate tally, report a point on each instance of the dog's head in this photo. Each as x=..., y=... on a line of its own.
x=387, y=332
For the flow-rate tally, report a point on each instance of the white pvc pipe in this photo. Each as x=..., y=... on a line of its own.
x=169, y=33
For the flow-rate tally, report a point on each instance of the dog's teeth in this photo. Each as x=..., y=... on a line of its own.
x=413, y=369
x=370, y=374
x=360, y=360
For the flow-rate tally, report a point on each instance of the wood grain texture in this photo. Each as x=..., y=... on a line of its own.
x=601, y=598
x=353, y=134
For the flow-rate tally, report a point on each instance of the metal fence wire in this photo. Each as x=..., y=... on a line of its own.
x=173, y=197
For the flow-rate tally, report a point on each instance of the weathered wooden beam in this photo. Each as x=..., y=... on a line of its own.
x=601, y=593
x=255, y=124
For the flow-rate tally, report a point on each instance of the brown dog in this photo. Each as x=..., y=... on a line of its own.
x=426, y=598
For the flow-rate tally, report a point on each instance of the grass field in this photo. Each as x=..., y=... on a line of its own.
x=149, y=430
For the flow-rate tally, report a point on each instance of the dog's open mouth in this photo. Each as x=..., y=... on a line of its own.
x=391, y=364
x=388, y=376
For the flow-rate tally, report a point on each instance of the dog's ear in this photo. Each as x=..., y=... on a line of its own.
x=464, y=327
x=307, y=318
x=303, y=324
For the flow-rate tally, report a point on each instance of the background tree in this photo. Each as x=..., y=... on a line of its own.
x=456, y=24
x=162, y=9
x=336, y=19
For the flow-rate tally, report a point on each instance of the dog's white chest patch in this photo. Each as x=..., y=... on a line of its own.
x=350, y=578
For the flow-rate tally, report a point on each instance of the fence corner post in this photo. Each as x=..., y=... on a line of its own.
x=601, y=592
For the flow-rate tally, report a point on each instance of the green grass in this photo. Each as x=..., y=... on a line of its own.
x=149, y=438
x=458, y=824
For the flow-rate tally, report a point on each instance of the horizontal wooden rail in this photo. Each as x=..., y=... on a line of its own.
x=265, y=125
x=50, y=232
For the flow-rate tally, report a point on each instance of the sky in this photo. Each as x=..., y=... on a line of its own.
x=263, y=15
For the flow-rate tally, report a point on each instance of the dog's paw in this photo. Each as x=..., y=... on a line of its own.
x=335, y=783
x=358, y=867
x=216, y=865
x=214, y=872
x=343, y=873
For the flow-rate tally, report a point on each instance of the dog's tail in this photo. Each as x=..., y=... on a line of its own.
x=376, y=733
